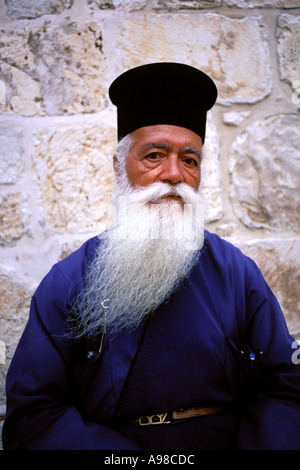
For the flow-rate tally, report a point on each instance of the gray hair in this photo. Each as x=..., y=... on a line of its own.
x=121, y=153
x=123, y=148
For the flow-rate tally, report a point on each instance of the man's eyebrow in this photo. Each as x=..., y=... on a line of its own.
x=193, y=150
x=165, y=146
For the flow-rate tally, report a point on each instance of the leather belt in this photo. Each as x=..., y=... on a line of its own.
x=169, y=417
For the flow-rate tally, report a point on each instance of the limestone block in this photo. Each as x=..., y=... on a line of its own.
x=130, y=5
x=17, y=9
x=2, y=353
x=264, y=170
x=21, y=89
x=226, y=229
x=11, y=150
x=75, y=176
x=211, y=186
x=214, y=43
x=186, y=4
x=14, y=308
x=2, y=92
x=235, y=118
x=27, y=100
x=262, y=3
x=12, y=221
x=53, y=69
x=288, y=50
x=15, y=301
x=279, y=261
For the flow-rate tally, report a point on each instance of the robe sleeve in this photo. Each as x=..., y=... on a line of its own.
x=272, y=420
x=41, y=411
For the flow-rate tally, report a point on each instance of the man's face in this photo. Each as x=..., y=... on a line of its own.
x=164, y=153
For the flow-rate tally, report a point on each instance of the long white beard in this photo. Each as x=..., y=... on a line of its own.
x=142, y=258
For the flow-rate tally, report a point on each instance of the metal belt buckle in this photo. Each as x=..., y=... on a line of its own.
x=153, y=419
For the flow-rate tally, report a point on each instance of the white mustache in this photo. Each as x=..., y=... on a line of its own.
x=156, y=191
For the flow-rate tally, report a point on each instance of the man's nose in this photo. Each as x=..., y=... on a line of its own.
x=171, y=171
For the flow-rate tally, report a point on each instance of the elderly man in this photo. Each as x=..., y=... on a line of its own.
x=156, y=334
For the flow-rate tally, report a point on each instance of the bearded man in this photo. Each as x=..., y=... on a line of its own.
x=156, y=334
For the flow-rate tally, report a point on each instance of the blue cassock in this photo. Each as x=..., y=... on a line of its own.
x=221, y=339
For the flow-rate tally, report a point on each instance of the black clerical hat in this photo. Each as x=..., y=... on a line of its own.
x=162, y=93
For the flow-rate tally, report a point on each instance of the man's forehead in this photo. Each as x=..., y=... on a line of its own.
x=167, y=135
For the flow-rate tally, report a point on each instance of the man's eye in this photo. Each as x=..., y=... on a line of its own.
x=153, y=156
x=191, y=162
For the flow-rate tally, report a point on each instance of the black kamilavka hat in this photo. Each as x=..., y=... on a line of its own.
x=163, y=93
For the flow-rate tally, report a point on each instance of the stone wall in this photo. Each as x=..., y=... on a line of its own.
x=57, y=130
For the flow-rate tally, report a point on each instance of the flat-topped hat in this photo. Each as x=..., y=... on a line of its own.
x=163, y=93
